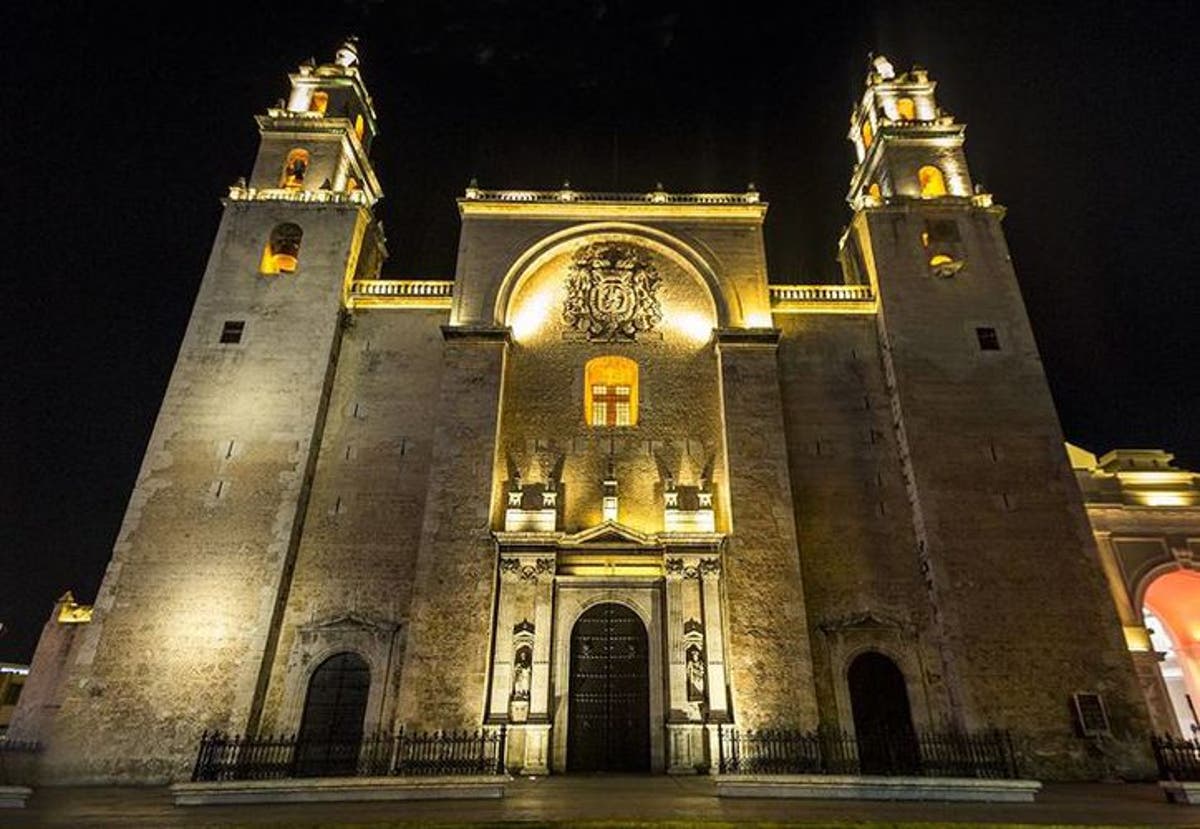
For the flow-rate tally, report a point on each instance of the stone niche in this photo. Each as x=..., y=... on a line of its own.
x=675, y=434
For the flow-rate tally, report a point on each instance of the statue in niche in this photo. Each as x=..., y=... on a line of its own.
x=522, y=673
x=695, y=670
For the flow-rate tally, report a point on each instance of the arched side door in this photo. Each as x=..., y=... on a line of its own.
x=883, y=727
x=331, y=729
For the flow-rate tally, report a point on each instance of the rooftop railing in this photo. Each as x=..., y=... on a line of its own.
x=568, y=195
x=401, y=293
x=239, y=193
x=820, y=293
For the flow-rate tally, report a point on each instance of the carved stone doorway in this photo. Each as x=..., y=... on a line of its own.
x=883, y=727
x=609, y=706
x=331, y=730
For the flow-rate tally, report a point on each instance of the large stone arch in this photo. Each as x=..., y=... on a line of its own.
x=666, y=244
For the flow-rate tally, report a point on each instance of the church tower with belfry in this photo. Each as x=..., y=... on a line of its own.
x=608, y=498
x=187, y=615
x=1000, y=533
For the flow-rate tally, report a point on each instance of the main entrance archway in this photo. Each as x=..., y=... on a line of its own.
x=331, y=729
x=609, y=705
x=883, y=726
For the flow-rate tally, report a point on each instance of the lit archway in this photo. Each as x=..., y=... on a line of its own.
x=282, y=251
x=726, y=311
x=1172, y=610
x=294, y=169
x=933, y=183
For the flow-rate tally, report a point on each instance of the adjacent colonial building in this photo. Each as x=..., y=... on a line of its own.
x=610, y=485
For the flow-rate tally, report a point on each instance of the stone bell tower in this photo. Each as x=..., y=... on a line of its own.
x=1019, y=611
x=188, y=613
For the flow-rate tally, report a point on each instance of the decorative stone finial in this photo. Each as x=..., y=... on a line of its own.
x=347, y=53
x=883, y=67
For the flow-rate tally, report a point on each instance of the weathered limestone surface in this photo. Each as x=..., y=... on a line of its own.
x=185, y=611
x=1009, y=549
x=446, y=658
x=862, y=585
x=354, y=570
x=769, y=657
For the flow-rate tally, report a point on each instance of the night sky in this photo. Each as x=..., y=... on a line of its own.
x=121, y=134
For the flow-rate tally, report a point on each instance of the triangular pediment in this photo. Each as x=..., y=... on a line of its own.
x=349, y=621
x=608, y=534
x=866, y=620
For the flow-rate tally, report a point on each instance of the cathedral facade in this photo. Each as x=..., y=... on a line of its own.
x=610, y=486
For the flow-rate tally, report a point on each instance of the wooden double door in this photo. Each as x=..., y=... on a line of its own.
x=609, y=692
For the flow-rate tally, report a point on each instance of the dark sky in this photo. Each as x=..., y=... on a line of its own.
x=122, y=129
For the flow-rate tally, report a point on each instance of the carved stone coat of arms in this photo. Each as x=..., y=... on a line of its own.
x=612, y=292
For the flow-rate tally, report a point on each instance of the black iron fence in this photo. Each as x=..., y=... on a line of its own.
x=17, y=760
x=1177, y=758
x=224, y=757
x=981, y=754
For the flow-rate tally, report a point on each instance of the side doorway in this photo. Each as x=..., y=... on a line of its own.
x=331, y=729
x=883, y=726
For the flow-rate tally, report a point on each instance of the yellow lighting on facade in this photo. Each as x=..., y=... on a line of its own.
x=692, y=325
x=933, y=183
x=906, y=109
x=609, y=372
x=609, y=510
x=1166, y=499
x=532, y=314
x=294, y=169
x=1137, y=639
x=74, y=614
x=940, y=259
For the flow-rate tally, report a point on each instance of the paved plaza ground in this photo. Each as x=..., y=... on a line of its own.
x=608, y=802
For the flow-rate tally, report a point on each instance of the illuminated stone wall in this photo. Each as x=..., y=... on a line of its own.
x=543, y=426
x=862, y=580
x=996, y=509
x=183, y=616
x=446, y=653
x=354, y=570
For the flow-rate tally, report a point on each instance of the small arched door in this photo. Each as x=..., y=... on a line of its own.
x=883, y=728
x=331, y=729
x=609, y=700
